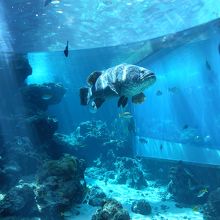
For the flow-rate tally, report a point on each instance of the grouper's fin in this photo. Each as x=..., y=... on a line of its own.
x=113, y=89
x=122, y=101
x=95, y=104
x=98, y=102
x=139, y=98
x=93, y=77
x=84, y=95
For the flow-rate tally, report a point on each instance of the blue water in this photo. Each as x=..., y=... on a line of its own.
x=174, y=133
x=194, y=103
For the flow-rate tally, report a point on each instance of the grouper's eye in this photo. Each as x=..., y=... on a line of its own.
x=142, y=72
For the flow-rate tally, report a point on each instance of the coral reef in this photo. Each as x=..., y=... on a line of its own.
x=42, y=127
x=19, y=201
x=212, y=207
x=184, y=186
x=26, y=136
x=18, y=65
x=111, y=210
x=94, y=130
x=141, y=207
x=129, y=172
x=92, y=134
x=90, y=140
x=20, y=158
x=96, y=196
x=61, y=184
x=37, y=97
x=121, y=170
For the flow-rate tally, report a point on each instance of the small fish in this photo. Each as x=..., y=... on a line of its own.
x=219, y=48
x=161, y=147
x=159, y=93
x=142, y=140
x=19, y=141
x=66, y=214
x=208, y=66
x=46, y=96
x=185, y=126
x=202, y=192
x=173, y=89
x=207, y=138
x=198, y=138
x=195, y=208
x=126, y=115
x=66, y=51
x=47, y=2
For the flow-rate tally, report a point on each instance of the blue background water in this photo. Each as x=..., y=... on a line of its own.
x=194, y=103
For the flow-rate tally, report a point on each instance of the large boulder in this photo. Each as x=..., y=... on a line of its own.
x=111, y=210
x=96, y=196
x=129, y=171
x=211, y=209
x=185, y=187
x=61, y=184
x=19, y=158
x=141, y=207
x=19, y=201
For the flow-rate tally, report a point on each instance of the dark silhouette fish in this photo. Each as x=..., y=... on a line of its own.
x=66, y=51
x=161, y=147
x=142, y=140
x=219, y=48
x=185, y=126
x=173, y=89
x=47, y=2
x=159, y=93
x=208, y=66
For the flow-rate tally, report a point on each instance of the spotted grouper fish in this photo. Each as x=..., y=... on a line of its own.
x=123, y=81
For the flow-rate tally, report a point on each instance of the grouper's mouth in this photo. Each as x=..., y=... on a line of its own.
x=149, y=77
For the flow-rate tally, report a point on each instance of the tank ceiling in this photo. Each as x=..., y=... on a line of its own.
x=28, y=25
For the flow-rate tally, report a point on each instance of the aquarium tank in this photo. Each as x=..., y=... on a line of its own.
x=109, y=110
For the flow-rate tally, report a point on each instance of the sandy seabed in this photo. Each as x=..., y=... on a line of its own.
x=161, y=210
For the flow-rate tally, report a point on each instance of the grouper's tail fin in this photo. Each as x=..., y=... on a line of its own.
x=84, y=95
